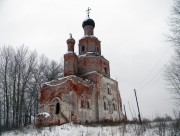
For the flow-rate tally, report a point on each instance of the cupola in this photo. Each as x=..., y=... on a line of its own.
x=88, y=25
x=70, y=43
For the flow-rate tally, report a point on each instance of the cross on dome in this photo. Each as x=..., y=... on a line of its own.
x=88, y=11
x=70, y=35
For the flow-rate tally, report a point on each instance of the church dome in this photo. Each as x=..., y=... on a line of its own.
x=70, y=40
x=88, y=21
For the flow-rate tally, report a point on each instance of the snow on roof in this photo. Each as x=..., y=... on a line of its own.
x=63, y=80
x=54, y=81
x=57, y=82
x=90, y=36
x=90, y=54
x=70, y=52
x=92, y=72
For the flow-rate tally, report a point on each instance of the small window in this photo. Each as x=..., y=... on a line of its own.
x=105, y=70
x=83, y=49
x=105, y=106
x=114, y=106
x=57, y=108
x=97, y=49
x=88, y=104
x=108, y=89
x=82, y=105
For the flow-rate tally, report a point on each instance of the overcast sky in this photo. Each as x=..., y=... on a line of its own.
x=131, y=34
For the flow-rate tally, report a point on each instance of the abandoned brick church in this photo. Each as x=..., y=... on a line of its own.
x=86, y=93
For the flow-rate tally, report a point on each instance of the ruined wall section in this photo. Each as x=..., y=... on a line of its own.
x=109, y=103
x=68, y=94
x=87, y=108
x=95, y=77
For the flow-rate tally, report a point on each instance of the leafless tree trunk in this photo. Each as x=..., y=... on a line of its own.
x=4, y=73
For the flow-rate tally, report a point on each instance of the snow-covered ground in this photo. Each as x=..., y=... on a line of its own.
x=79, y=130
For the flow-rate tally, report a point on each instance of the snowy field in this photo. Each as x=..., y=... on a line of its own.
x=79, y=130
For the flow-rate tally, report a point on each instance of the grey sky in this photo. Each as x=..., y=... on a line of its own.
x=131, y=34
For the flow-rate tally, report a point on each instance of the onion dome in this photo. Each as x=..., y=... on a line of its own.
x=88, y=21
x=71, y=40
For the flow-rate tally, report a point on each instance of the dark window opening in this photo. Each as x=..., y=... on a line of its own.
x=114, y=106
x=97, y=49
x=82, y=105
x=83, y=49
x=88, y=104
x=109, y=91
x=105, y=106
x=105, y=69
x=57, y=108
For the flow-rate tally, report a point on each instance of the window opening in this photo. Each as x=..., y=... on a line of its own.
x=83, y=49
x=57, y=108
x=105, y=69
x=82, y=104
x=88, y=104
x=108, y=89
x=97, y=49
x=105, y=106
x=114, y=106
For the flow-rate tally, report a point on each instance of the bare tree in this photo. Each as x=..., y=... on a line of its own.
x=172, y=75
x=172, y=70
x=5, y=57
x=174, y=23
x=52, y=71
x=21, y=74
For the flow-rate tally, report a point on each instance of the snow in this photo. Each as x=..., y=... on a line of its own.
x=92, y=72
x=91, y=36
x=58, y=80
x=71, y=52
x=92, y=54
x=63, y=80
x=45, y=114
x=79, y=130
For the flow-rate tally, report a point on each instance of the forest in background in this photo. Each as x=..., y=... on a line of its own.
x=21, y=74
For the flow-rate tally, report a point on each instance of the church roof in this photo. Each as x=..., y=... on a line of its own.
x=63, y=80
x=88, y=21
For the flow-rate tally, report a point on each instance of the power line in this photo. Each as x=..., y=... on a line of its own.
x=151, y=80
x=153, y=68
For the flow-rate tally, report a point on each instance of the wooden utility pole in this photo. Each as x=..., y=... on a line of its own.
x=139, y=116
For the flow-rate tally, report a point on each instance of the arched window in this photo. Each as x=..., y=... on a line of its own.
x=57, y=108
x=105, y=106
x=108, y=89
x=109, y=92
x=97, y=49
x=83, y=49
x=88, y=104
x=105, y=70
x=114, y=106
x=82, y=105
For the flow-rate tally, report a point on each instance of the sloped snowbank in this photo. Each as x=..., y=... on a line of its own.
x=79, y=130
